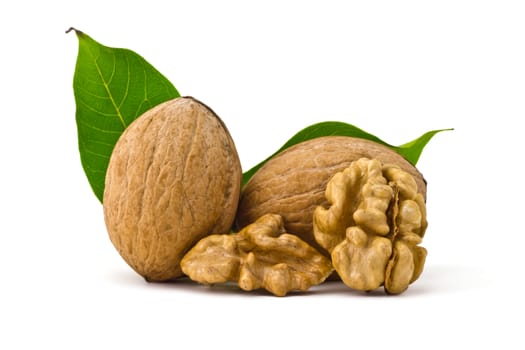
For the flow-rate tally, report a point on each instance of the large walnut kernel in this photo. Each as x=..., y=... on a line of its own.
x=174, y=177
x=293, y=183
x=261, y=255
x=372, y=226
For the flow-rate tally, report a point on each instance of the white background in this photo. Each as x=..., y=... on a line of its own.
x=394, y=68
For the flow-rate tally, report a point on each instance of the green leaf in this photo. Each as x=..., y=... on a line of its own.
x=112, y=87
x=411, y=150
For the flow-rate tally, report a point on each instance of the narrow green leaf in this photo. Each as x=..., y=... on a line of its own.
x=112, y=87
x=411, y=151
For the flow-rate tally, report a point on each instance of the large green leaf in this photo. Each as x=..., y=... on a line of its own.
x=112, y=87
x=411, y=150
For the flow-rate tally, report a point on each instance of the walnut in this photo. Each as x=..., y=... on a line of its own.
x=261, y=255
x=375, y=220
x=174, y=177
x=293, y=182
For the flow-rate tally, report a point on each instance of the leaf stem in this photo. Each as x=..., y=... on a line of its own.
x=78, y=32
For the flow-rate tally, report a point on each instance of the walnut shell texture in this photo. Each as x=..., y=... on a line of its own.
x=293, y=183
x=174, y=177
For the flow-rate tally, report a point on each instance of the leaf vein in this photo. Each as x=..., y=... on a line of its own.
x=91, y=126
x=108, y=90
x=96, y=154
x=91, y=93
x=128, y=81
x=94, y=110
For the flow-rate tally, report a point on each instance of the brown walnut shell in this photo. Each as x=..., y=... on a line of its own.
x=174, y=177
x=293, y=183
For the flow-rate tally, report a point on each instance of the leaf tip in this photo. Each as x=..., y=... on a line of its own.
x=73, y=29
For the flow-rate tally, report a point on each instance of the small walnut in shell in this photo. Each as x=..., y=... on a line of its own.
x=261, y=255
x=373, y=225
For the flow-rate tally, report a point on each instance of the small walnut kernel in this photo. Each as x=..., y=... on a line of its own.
x=373, y=226
x=261, y=255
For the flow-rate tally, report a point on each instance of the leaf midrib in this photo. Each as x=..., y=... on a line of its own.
x=108, y=91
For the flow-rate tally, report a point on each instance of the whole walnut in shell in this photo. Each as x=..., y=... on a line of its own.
x=174, y=177
x=293, y=182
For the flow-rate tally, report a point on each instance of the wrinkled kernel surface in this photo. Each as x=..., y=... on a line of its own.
x=373, y=225
x=261, y=255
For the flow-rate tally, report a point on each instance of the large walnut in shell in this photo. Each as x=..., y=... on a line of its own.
x=372, y=226
x=261, y=255
x=293, y=182
x=174, y=177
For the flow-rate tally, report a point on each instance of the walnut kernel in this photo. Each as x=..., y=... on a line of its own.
x=375, y=220
x=261, y=255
